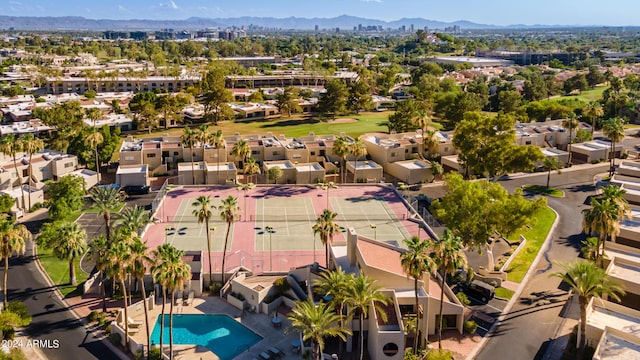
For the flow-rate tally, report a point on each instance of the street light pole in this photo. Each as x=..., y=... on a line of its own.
x=269, y=229
x=375, y=234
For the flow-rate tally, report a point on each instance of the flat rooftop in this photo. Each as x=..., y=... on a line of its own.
x=616, y=347
x=602, y=317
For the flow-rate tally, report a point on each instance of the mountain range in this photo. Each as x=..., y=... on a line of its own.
x=344, y=22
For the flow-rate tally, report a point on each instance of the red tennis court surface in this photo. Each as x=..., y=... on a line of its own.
x=375, y=211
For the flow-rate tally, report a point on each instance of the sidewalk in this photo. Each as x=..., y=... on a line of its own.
x=570, y=317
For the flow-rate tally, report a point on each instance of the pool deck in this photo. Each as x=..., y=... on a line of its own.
x=259, y=323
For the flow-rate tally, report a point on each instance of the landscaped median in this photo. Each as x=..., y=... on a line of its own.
x=543, y=190
x=58, y=271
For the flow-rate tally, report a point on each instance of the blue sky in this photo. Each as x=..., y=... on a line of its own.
x=498, y=12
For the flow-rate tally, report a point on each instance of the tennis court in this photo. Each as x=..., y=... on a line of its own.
x=185, y=233
x=291, y=221
x=371, y=217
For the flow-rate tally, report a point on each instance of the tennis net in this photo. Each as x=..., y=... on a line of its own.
x=340, y=217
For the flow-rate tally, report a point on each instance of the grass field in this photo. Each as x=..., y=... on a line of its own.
x=504, y=293
x=584, y=97
x=551, y=191
x=535, y=238
x=58, y=271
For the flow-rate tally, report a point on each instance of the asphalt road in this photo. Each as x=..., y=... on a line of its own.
x=52, y=320
x=527, y=329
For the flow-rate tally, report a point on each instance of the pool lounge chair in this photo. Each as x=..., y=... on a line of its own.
x=275, y=351
x=134, y=323
x=265, y=356
x=189, y=299
x=179, y=297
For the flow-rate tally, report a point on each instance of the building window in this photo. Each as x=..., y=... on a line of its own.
x=390, y=349
x=255, y=152
x=68, y=165
x=393, y=154
x=149, y=156
x=276, y=153
x=446, y=149
x=313, y=153
x=128, y=158
x=175, y=153
x=528, y=142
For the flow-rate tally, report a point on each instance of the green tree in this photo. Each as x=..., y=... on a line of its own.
x=449, y=256
x=216, y=97
x=95, y=139
x=341, y=149
x=613, y=129
x=488, y=209
x=363, y=293
x=134, y=219
x=593, y=111
x=31, y=145
x=256, y=97
x=189, y=138
x=251, y=168
x=335, y=284
x=163, y=256
x=594, y=77
x=415, y=263
x=288, y=101
x=65, y=195
x=325, y=226
x=202, y=212
x=274, y=173
x=570, y=123
x=488, y=146
x=217, y=140
x=14, y=238
x=68, y=242
x=589, y=248
x=509, y=101
x=106, y=200
x=316, y=322
x=334, y=100
x=10, y=146
x=359, y=97
x=535, y=87
x=139, y=262
x=176, y=273
x=228, y=213
x=550, y=164
x=97, y=252
x=241, y=150
x=588, y=281
x=119, y=256
x=169, y=107
x=358, y=150
x=405, y=117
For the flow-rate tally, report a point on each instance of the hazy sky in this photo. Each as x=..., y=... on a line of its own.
x=498, y=12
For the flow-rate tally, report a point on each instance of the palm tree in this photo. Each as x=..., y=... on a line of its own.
x=589, y=248
x=95, y=138
x=228, y=213
x=163, y=255
x=68, y=242
x=98, y=254
x=134, y=219
x=362, y=293
x=593, y=111
x=316, y=322
x=570, y=123
x=119, y=257
x=335, y=283
x=204, y=137
x=251, y=168
x=245, y=188
x=415, y=263
x=104, y=200
x=430, y=141
x=614, y=130
x=9, y=145
x=202, y=212
x=588, y=281
x=177, y=273
x=31, y=145
x=325, y=226
x=341, y=150
x=357, y=149
x=241, y=150
x=449, y=255
x=603, y=217
x=551, y=163
x=138, y=268
x=189, y=139
x=217, y=140
x=14, y=238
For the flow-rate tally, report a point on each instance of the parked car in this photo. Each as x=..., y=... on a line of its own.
x=478, y=290
x=109, y=186
x=136, y=189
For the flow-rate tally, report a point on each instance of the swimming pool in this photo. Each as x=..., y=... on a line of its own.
x=221, y=334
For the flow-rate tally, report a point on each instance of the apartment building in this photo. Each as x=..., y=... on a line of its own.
x=289, y=78
x=80, y=85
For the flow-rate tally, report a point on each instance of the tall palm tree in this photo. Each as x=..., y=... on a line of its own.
x=14, y=238
x=119, y=256
x=449, y=256
x=189, y=139
x=603, y=217
x=204, y=137
x=316, y=322
x=31, y=145
x=97, y=252
x=228, y=213
x=415, y=263
x=217, y=140
x=335, y=284
x=251, y=168
x=163, y=255
x=593, y=111
x=589, y=248
x=202, y=212
x=357, y=149
x=570, y=123
x=105, y=199
x=68, y=242
x=430, y=141
x=588, y=281
x=241, y=150
x=134, y=219
x=9, y=145
x=614, y=130
x=551, y=163
x=138, y=267
x=95, y=138
x=245, y=188
x=325, y=226
x=177, y=273
x=341, y=149
x=362, y=294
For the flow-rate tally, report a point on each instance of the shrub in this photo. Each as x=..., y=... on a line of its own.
x=93, y=316
x=463, y=298
x=470, y=327
x=439, y=354
x=108, y=329
x=8, y=334
x=214, y=289
x=18, y=308
x=115, y=338
x=155, y=354
x=281, y=285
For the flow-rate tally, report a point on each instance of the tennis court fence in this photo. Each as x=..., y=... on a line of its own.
x=340, y=217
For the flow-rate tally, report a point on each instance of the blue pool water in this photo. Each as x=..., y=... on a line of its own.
x=221, y=334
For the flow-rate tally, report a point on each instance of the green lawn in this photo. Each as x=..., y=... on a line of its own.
x=535, y=238
x=551, y=191
x=58, y=271
x=586, y=96
x=504, y=293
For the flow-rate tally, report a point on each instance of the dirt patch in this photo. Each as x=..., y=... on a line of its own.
x=342, y=121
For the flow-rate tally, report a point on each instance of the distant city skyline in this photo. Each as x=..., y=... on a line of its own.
x=493, y=12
